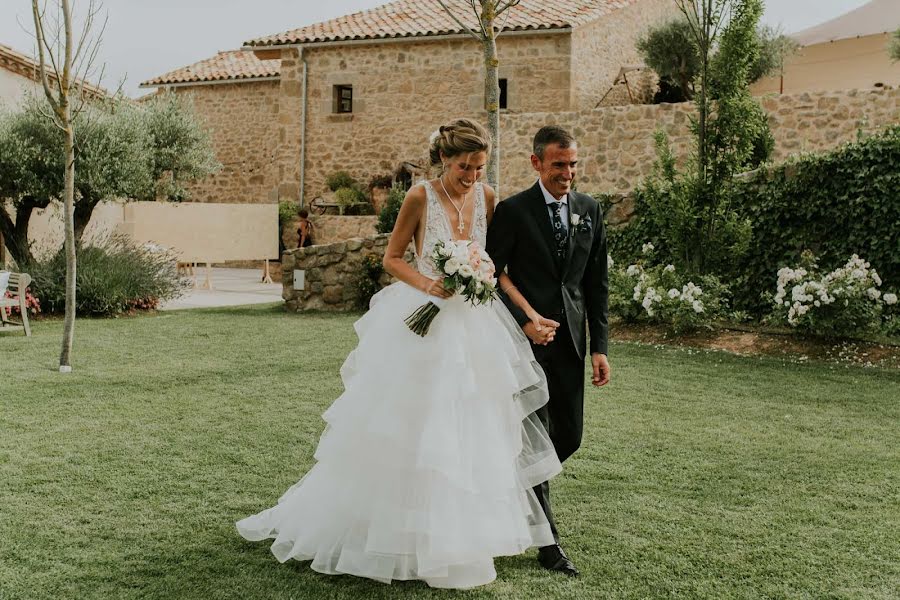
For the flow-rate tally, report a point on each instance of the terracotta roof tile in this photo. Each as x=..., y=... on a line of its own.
x=224, y=66
x=413, y=18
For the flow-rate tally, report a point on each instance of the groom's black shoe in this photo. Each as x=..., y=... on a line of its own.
x=554, y=559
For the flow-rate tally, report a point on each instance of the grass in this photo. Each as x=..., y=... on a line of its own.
x=702, y=474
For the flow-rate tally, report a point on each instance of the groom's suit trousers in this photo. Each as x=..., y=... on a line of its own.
x=563, y=414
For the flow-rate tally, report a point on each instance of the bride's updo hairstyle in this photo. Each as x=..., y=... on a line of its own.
x=462, y=136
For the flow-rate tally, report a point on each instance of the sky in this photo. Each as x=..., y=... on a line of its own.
x=146, y=38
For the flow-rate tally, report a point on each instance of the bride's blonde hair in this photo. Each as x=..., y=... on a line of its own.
x=462, y=136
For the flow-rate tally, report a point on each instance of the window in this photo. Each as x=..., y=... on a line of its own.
x=343, y=99
x=503, y=93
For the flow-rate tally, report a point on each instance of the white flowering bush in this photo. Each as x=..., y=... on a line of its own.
x=843, y=302
x=660, y=294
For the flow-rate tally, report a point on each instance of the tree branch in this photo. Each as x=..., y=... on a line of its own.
x=92, y=13
x=39, y=34
x=505, y=9
x=465, y=27
x=502, y=8
x=478, y=16
x=67, y=68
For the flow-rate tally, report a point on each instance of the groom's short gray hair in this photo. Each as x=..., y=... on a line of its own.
x=551, y=134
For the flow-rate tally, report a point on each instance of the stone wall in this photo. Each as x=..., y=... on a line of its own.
x=329, y=229
x=243, y=122
x=332, y=273
x=257, y=125
x=600, y=49
x=616, y=143
x=402, y=92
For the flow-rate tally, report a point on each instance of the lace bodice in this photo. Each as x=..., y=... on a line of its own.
x=437, y=227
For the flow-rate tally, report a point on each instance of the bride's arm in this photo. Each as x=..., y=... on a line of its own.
x=513, y=293
x=411, y=212
x=510, y=290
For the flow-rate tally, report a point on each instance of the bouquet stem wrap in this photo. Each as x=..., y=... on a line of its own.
x=420, y=321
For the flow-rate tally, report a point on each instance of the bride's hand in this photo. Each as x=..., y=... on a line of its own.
x=435, y=287
x=541, y=330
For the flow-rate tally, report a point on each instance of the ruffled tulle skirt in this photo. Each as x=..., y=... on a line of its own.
x=425, y=468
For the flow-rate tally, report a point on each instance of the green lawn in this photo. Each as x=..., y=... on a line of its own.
x=702, y=475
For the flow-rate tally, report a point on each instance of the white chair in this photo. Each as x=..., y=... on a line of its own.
x=18, y=283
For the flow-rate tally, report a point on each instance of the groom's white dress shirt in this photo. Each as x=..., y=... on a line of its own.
x=551, y=205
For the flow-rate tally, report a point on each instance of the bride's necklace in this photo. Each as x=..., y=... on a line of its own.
x=459, y=209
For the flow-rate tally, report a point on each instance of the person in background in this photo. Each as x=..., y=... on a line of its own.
x=304, y=232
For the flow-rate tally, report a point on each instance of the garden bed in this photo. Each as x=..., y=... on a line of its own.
x=757, y=341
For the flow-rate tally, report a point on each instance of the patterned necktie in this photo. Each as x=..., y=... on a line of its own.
x=559, y=232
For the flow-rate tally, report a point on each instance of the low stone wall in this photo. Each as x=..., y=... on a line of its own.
x=332, y=272
x=616, y=143
x=329, y=229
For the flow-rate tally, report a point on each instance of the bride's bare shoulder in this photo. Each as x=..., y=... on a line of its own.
x=415, y=196
x=489, y=194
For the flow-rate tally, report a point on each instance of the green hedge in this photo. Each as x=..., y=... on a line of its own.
x=837, y=204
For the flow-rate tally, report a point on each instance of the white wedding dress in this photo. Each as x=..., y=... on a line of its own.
x=425, y=468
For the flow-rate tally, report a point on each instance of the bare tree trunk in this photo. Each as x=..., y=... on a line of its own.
x=492, y=92
x=65, y=356
x=61, y=102
x=487, y=13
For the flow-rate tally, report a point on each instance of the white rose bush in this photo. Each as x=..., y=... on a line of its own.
x=662, y=295
x=844, y=302
x=468, y=271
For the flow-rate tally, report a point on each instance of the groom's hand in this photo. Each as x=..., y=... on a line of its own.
x=540, y=330
x=601, y=369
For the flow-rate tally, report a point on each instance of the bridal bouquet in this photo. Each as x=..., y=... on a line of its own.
x=467, y=269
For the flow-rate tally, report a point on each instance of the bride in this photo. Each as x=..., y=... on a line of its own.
x=427, y=462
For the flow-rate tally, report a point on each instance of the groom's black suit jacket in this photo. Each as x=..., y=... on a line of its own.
x=520, y=239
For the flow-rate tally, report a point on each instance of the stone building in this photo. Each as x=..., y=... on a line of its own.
x=18, y=76
x=363, y=92
x=239, y=97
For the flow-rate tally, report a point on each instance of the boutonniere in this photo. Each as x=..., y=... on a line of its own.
x=580, y=223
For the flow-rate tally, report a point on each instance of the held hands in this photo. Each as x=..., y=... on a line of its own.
x=540, y=330
x=601, y=369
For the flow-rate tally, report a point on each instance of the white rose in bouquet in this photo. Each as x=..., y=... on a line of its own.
x=469, y=273
x=451, y=267
x=460, y=252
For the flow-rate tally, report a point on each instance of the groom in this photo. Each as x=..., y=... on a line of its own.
x=552, y=242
